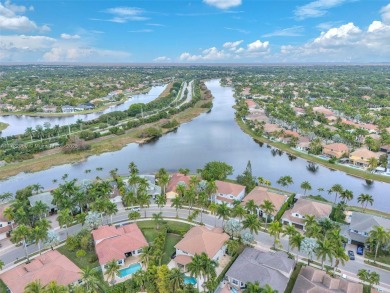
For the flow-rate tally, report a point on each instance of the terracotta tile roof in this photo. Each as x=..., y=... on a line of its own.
x=5, y=229
x=229, y=188
x=175, y=179
x=323, y=110
x=201, y=239
x=364, y=153
x=260, y=194
x=271, y=127
x=112, y=243
x=338, y=147
x=250, y=103
x=51, y=266
x=307, y=207
x=183, y=259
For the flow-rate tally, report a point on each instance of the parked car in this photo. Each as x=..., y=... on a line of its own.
x=360, y=249
x=134, y=209
x=351, y=255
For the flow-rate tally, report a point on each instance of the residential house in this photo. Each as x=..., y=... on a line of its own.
x=260, y=194
x=303, y=143
x=68, y=109
x=176, y=179
x=84, y=107
x=361, y=157
x=46, y=198
x=336, y=150
x=323, y=110
x=302, y=208
x=228, y=192
x=153, y=189
x=118, y=244
x=48, y=267
x=361, y=225
x=270, y=128
x=385, y=149
x=49, y=109
x=251, y=104
x=311, y=280
x=200, y=239
x=252, y=265
x=5, y=225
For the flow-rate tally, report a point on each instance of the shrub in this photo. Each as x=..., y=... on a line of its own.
x=81, y=253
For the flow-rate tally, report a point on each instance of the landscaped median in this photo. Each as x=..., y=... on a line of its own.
x=287, y=149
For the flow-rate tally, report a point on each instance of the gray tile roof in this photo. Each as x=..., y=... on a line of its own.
x=364, y=222
x=264, y=267
x=45, y=197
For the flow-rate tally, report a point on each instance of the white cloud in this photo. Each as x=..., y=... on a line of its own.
x=10, y=19
x=77, y=54
x=324, y=26
x=223, y=4
x=210, y=54
x=162, y=59
x=258, y=46
x=385, y=13
x=232, y=45
x=294, y=31
x=125, y=14
x=338, y=36
x=237, y=30
x=69, y=37
x=141, y=31
x=316, y=8
x=22, y=42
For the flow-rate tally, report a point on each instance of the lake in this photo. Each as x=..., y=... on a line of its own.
x=214, y=136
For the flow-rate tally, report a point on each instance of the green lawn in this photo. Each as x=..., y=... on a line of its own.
x=173, y=226
x=3, y=287
x=293, y=278
x=380, y=258
x=169, y=248
x=150, y=234
x=81, y=262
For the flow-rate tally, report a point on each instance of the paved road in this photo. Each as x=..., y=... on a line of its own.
x=8, y=256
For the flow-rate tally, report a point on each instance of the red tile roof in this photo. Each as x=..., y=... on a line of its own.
x=229, y=188
x=112, y=243
x=175, y=179
x=51, y=266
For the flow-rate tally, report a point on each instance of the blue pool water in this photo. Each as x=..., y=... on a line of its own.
x=131, y=269
x=189, y=280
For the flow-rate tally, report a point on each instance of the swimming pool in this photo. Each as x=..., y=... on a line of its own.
x=189, y=280
x=131, y=269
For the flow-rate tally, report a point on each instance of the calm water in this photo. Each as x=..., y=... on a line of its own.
x=210, y=137
x=18, y=124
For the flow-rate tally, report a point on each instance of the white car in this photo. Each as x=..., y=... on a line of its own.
x=135, y=209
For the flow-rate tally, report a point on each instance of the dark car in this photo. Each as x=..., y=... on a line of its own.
x=360, y=249
x=351, y=255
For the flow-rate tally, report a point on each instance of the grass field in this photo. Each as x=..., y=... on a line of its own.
x=81, y=262
x=169, y=248
x=3, y=287
x=3, y=126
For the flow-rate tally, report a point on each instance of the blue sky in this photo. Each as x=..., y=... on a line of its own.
x=198, y=31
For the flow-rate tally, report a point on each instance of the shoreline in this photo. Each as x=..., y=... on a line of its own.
x=3, y=126
x=61, y=114
x=350, y=171
x=111, y=143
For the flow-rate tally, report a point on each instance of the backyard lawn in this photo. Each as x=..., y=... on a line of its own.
x=81, y=262
x=169, y=248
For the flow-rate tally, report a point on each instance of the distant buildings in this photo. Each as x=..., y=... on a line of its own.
x=80, y=107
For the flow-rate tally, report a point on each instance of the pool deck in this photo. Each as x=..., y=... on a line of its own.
x=129, y=261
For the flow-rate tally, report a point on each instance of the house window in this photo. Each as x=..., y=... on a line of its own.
x=139, y=250
x=242, y=285
x=235, y=282
x=120, y=261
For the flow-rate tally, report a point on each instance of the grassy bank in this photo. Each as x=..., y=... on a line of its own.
x=100, y=145
x=3, y=126
x=368, y=211
x=287, y=149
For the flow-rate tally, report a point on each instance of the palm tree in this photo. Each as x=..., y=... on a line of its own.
x=22, y=233
x=346, y=195
x=112, y=269
x=372, y=163
x=251, y=207
x=1, y=264
x=223, y=212
x=340, y=256
x=147, y=254
x=177, y=204
x=111, y=209
x=157, y=218
x=39, y=209
x=295, y=242
x=268, y=208
x=65, y=219
x=208, y=267
x=34, y=287
x=325, y=250
x=163, y=179
x=253, y=288
x=285, y=181
x=305, y=185
x=181, y=188
x=239, y=212
x=143, y=201
x=232, y=247
x=268, y=289
x=39, y=232
x=134, y=215
x=53, y=287
x=379, y=236
x=213, y=207
x=274, y=230
x=9, y=214
x=91, y=280
x=176, y=280
x=290, y=231
x=37, y=188
x=365, y=199
x=195, y=267
x=252, y=223
x=337, y=189
x=161, y=201
x=29, y=131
